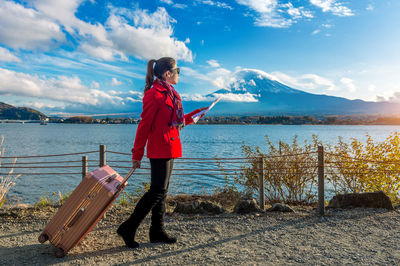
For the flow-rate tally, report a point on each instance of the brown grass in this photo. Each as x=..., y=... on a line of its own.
x=6, y=182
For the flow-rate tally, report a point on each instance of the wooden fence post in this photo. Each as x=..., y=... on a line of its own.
x=321, y=181
x=103, y=155
x=261, y=182
x=84, y=166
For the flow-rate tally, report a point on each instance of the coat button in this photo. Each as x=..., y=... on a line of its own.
x=172, y=138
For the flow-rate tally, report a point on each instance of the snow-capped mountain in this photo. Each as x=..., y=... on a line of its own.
x=254, y=92
x=256, y=82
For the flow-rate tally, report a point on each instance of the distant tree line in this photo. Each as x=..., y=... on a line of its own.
x=265, y=120
x=91, y=120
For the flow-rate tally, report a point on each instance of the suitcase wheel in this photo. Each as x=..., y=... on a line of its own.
x=60, y=253
x=43, y=238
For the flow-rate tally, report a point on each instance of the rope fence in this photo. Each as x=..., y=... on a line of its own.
x=236, y=166
x=45, y=156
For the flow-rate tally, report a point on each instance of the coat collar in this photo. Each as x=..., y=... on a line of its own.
x=161, y=88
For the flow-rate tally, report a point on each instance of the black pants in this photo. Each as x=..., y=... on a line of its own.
x=154, y=199
x=160, y=173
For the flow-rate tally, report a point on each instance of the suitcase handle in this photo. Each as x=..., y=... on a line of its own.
x=126, y=178
x=76, y=218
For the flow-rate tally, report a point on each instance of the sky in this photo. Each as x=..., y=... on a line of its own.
x=90, y=57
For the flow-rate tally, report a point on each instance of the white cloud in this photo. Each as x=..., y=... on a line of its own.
x=216, y=3
x=105, y=68
x=61, y=89
x=327, y=26
x=132, y=100
x=232, y=97
x=180, y=6
x=95, y=85
x=323, y=27
x=380, y=99
x=213, y=63
x=269, y=13
x=93, y=39
x=187, y=71
x=297, y=13
x=370, y=7
x=57, y=61
x=39, y=105
x=395, y=98
x=316, y=32
x=138, y=33
x=150, y=37
x=348, y=83
x=26, y=28
x=196, y=97
x=7, y=56
x=63, y=11
x=175, y=5
x=219, y=77
x=115, y=82
x=102, y=52
x=333, y=6
x=138, y=95
x=308, y=82
x=229, y=97
x=371, y=87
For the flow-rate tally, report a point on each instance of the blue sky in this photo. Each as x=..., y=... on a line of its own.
x=75, y=56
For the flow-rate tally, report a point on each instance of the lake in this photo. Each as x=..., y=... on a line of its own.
x=199, y=141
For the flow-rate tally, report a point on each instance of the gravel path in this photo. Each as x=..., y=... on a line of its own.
x=361, y=236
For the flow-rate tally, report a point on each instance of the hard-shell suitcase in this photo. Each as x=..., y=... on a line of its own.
x=83, y=209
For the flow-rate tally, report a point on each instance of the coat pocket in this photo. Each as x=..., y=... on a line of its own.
x=170, y=136
x=166, y=137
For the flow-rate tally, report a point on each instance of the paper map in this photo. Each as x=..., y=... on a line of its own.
x=197, y=116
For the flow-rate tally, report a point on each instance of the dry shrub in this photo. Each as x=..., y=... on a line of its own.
x=126, y=199
x=365, y=167
x=289, y=171
x=6, y=182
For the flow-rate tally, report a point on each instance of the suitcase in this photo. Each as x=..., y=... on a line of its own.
x=83, y=209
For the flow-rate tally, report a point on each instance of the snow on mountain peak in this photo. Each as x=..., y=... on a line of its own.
x=256, y=82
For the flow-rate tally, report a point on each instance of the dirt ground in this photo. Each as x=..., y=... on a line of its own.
x=356, y=236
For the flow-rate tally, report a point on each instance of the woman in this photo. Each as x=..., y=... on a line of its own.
x=161, y=120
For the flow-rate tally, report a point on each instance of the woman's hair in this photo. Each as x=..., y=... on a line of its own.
x=161, y=66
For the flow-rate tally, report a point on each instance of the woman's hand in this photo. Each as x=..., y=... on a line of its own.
x=135, y=163
x=202, y=109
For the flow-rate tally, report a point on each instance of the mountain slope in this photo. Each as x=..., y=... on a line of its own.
x=252, y=92
x=19, y=113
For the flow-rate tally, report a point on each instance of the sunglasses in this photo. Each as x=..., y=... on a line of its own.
x=178, y=70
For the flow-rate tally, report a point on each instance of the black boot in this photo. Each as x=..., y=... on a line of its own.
x=158, y=235
x=157, y=232
x=127, y=229
x=127, y=232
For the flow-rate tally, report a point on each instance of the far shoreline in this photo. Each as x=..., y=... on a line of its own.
x=334, y=120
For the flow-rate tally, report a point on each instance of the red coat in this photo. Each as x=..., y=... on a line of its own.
x=162, y=140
